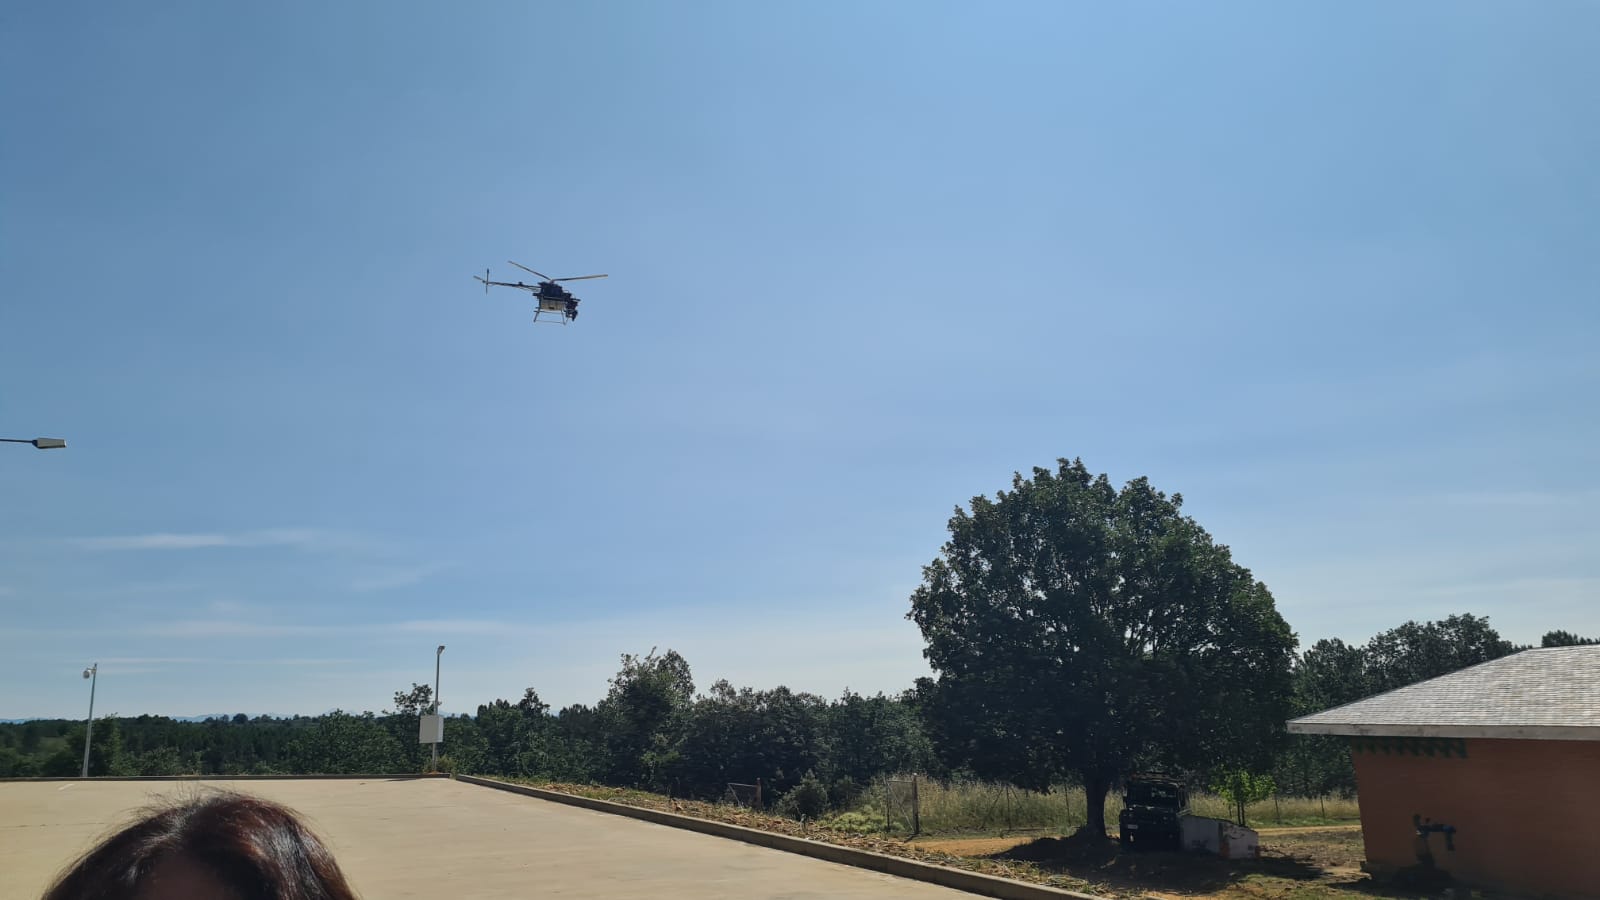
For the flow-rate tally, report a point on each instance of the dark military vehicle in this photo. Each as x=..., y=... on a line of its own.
x=1153, y=808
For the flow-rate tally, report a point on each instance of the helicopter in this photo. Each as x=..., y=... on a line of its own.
x=553, y=298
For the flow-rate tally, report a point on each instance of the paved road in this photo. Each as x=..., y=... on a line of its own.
x=443, y=839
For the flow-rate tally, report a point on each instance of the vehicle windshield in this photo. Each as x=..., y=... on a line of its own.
x=1152, y=794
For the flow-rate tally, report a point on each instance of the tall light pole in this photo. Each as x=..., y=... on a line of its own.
x=437, y=653
x=93, y=674
x=38, y=443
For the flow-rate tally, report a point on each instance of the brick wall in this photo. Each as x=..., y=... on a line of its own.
x=1527, y=813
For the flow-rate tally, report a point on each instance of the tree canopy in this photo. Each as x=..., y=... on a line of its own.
x=1079, y=630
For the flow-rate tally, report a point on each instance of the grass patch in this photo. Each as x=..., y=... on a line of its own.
x=989, y=808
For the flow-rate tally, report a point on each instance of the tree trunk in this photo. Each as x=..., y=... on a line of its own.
x=1095, y=789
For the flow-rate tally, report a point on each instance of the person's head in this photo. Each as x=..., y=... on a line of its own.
x=217, y=847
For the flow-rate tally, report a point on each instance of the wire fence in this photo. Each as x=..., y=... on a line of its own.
x=747, y=796
x=902, y=807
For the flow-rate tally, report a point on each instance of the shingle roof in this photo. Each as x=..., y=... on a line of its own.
x=1546, y=694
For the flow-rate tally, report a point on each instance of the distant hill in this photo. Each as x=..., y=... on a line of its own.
x=200, y=718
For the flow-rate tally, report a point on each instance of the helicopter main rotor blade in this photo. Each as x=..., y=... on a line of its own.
x=526, y=269
x=526, y=287
x=580, y=278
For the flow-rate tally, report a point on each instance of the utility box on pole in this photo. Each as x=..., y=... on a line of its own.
x=432, y=731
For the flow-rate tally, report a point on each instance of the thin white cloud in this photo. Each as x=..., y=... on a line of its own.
x=1519, y=586
x=157, y=541
x=1522, y=499
x=219, y=628
x=166, y=540
x=150, y=660
x=222, y=661
x=463, y=626
x=395, y=577
x=211, y=628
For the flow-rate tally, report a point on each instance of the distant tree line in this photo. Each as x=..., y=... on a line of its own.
x=652, y=730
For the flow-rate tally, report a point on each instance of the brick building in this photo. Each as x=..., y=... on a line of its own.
x=1492, y=772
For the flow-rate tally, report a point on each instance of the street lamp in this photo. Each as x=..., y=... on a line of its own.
x=40, y=443
x=93, y=674
x=437, y=653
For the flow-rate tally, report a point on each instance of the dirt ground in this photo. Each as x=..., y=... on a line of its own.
x=989, y=846
x=1318, y=862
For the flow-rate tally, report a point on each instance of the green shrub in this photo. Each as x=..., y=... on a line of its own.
x=807, y=801
x=843, y=793
x=856, y=823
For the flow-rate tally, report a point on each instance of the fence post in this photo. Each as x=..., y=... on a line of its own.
x=916, y=809
x=887, y=813
x=1277, y=805
x=758, y=795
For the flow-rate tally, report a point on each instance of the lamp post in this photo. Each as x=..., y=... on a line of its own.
x=437, y=653
x=93, y=674
x=38, y=443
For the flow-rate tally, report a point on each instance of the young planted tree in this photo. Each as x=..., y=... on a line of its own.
x=1240, y=788
x=1078, y=630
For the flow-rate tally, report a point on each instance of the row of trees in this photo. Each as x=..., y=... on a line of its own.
x=1078, y=633
x=652, y=730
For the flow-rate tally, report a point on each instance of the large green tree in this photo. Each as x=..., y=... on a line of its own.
x=1082, y=631
x=643, y=717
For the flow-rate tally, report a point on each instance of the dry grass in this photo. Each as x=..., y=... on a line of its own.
x=980, y=808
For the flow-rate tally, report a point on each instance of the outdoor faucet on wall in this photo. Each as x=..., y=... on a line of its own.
x=1424, y=828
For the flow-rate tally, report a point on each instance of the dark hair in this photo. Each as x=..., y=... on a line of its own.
x=259, y=849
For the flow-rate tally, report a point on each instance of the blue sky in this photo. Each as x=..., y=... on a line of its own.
x=1329, y=270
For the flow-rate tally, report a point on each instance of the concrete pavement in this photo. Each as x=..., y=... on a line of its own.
x=438, y=839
